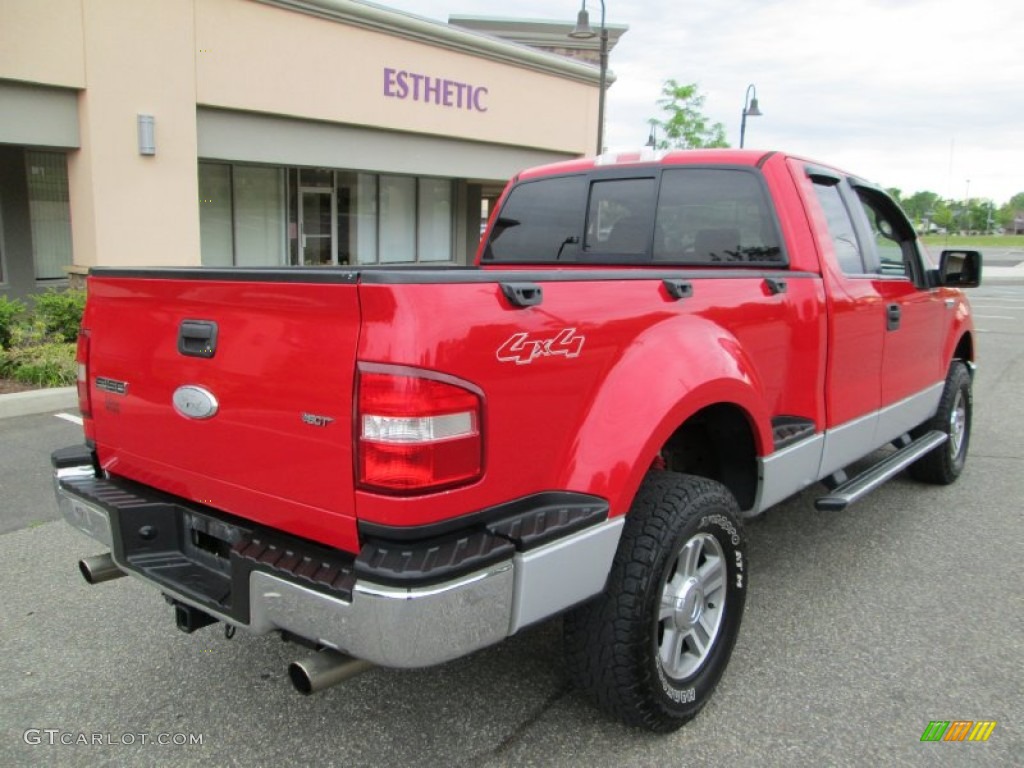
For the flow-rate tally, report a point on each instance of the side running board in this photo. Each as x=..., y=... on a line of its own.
x=853, y=489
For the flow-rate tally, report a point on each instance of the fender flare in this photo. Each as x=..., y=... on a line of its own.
x=667, y=375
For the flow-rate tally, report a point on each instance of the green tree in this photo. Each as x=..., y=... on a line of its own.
x=685, y=126
x=1008, y=211
x=919, y=205
x=943, y=215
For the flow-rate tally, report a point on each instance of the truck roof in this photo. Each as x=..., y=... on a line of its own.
x=649, y=156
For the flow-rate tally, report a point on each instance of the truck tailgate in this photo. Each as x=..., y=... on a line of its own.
x=277, y=450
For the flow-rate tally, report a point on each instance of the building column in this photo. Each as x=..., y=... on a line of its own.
x=129, y=208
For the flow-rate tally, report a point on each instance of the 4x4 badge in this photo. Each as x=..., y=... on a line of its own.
x=521, y=349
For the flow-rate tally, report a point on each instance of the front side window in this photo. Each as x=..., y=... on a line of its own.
x=891, y=235
x=715, y=216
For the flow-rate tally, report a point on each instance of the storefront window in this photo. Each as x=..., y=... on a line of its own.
x=397, y=219
x=49, y=213
x=259, y=216
x=241, y=215
x=3, y=251
x=215, y=239
x=357, y=218
x=434, y=228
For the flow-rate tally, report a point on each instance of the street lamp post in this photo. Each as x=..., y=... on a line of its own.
x=966, y=220
x=749, y=108
x=583, y=31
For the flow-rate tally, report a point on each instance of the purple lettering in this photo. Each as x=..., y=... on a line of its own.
x=477, y=93
x=432, y=85
x=401, y=84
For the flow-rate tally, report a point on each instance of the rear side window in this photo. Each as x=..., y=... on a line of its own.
x=541, y=221
x=840, y=228
x=714, y=216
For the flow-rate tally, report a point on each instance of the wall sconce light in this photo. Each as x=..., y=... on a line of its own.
x=147, y=135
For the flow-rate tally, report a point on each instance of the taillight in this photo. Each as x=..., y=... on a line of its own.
x=82, y=358
x=416, y=431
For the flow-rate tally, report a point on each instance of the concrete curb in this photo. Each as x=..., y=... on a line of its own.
x=38, y=401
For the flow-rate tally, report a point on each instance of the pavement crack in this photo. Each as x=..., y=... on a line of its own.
x=520, y=730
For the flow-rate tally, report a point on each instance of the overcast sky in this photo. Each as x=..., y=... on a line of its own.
x=914, y=94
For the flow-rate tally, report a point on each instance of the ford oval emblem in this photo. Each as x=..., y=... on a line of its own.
x=194, y=402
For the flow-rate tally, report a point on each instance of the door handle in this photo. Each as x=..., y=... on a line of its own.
x=892, y=317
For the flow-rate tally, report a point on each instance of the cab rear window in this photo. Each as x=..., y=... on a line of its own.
x=540, y=221
x=688, y=216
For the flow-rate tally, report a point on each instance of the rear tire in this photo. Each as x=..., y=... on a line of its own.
x=652, y=647
x=944, y=464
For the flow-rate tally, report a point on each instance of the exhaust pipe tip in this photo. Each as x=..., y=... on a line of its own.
x=323, y=670
x=99, y=568
x=299, y=676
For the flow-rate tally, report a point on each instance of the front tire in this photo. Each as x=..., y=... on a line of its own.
x=652, y=647
x=944, y=465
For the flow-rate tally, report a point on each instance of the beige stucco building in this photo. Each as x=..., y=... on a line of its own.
x=262, y=132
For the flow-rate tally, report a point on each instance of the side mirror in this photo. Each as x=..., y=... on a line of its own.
x=960, y=269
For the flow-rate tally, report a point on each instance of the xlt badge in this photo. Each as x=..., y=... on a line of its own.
x=315, y=420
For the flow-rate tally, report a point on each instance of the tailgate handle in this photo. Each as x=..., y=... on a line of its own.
x=197, y=338
x=523, y=294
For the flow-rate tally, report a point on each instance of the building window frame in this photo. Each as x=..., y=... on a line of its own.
x=3, y=249
x=37, y=227
x=326, y=181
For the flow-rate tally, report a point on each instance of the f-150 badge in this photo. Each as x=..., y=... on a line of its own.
x=521, y=349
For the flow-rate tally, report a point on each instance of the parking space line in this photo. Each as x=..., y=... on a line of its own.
x=70, y=417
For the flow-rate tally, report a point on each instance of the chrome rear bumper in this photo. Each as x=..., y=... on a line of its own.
x=395, y=626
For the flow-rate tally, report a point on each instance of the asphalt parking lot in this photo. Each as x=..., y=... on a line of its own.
x=861, y=627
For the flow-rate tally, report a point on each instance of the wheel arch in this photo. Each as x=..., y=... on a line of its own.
x=717, y=442
x=964, y=349
x=652, y=402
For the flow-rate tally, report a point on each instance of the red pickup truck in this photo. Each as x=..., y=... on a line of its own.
x=401, y=466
